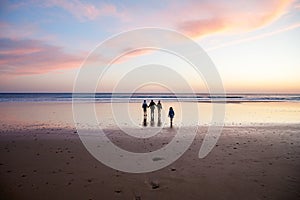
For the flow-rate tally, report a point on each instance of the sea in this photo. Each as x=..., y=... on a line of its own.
x=139, y=97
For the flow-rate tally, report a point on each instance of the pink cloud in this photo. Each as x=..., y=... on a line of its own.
x=25, y=57
x=196, y=28
x=34, y=57
x=14, y=32
x=194, y=18
x=230, y=16
x=199, y=18
x=133, y=53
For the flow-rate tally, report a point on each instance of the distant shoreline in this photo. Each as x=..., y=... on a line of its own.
x=138, y=97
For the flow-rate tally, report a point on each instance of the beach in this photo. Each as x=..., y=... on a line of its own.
x=256, y=157
x=149, y=100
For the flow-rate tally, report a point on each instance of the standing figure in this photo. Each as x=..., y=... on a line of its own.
x=152, y=108
x=171, y=115
x=145, y=106
x=159, y=107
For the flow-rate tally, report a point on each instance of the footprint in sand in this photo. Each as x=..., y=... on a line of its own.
x=157, y=158
x=118, y=191
x=173, y=169
x=154, y=184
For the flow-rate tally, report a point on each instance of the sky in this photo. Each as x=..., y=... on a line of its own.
x=254, y=44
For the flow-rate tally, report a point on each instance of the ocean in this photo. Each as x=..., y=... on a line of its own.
x=139, y=97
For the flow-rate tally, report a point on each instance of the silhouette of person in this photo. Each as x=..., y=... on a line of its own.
x=152, y=108
x=159, y=107
x=145, y=106
x=171, y=115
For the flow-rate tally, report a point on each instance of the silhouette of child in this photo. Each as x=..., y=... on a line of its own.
x=171, y=115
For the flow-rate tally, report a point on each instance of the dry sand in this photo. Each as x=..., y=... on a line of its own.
x=258, y=162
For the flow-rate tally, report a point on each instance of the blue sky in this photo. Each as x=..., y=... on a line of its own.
x=254, y=44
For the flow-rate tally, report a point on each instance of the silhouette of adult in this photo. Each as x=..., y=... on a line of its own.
x=152, y=108
x=145, y=106
x=159, y=107
x=171, y=115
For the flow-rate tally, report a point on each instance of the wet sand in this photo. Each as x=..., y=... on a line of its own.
x=248, y=162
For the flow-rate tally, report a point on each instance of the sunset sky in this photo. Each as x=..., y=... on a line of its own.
x=255, y=45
